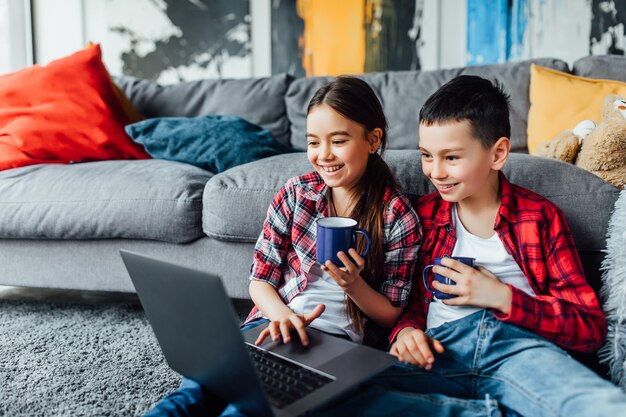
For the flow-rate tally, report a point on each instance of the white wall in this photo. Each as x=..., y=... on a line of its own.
x=452, y=33
x=554, y=31
x=15, y=38
x=443, y=40
x=59, y=28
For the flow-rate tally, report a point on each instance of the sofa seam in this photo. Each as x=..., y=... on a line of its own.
x=100, y=201
x=246, y=189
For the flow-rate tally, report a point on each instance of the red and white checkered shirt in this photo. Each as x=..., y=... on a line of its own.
x=285, y=250
x=535, y=233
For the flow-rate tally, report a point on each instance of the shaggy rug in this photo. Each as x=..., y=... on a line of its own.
x=613, y=294
x=79, y=360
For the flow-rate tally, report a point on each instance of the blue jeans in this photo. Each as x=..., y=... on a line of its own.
x=488, y=368
x=526, y=374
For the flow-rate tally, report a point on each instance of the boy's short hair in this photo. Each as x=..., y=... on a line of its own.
x=468, y=97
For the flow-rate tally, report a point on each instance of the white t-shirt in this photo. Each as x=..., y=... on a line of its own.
x=322, y=289
x=489, y=253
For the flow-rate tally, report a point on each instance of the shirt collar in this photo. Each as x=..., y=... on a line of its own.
x=314, y=187
x=507, y=210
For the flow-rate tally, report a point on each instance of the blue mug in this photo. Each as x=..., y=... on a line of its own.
x=444, y=280
x=337, y=234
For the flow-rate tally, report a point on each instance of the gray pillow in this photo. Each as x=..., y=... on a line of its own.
x=403, y=93
x=611, y=67
x=257, y=100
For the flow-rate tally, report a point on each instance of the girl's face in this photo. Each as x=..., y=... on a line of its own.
x=338, y=148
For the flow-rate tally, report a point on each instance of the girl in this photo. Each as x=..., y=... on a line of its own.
x=346, y=130
x=346, y=133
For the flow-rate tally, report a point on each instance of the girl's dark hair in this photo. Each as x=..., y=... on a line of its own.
x=354, y=99
x=469, y=97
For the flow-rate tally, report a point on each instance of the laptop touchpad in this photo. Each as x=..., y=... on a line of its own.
x=321, y=349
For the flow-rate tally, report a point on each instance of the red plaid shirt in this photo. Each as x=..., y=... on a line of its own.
x=285, y=250
x=534, y=231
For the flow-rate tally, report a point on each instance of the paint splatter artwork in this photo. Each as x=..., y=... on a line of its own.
x=326, y=37
x=178, y=40
x=608, y=19
x=509, y=30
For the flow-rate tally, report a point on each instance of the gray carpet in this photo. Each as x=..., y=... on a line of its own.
x=79, y=360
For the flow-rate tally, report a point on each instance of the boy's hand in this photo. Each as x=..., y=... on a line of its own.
x=282, y=327
x=415, y=347
x=474, y=286
x=349, y=276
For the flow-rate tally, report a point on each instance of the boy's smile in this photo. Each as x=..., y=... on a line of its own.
x=456, y=162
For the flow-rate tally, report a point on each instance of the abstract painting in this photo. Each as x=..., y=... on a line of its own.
x=608, y=19
x=509, y=30
x=178, y=40
x=327, y=37
x=495, y=30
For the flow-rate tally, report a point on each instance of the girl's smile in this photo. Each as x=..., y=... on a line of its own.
x=331, y=169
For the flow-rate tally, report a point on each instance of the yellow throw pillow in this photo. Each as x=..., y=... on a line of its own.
x=559, y=101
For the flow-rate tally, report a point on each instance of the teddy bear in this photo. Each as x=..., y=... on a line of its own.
x=599, y=149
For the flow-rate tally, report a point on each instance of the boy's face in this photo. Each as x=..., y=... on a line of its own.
x=456, y=162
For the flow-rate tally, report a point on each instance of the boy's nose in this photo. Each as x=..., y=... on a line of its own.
x=437, y=170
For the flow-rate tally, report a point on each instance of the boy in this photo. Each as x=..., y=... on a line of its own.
x=498, y=336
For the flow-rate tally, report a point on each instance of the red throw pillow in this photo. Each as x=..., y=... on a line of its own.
x=63, y=112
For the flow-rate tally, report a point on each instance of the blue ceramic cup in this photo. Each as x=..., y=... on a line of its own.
x=444, y=280
x=337, y=234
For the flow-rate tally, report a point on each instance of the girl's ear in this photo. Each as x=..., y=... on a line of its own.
x=374, y=138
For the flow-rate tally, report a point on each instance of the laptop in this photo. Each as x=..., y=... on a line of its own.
x=198, y=331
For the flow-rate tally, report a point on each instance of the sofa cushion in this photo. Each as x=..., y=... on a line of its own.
x=259, y=100
x=236, y=201
x=143, y=199
x=607, y=67
x=403, y=93
x=64, y=111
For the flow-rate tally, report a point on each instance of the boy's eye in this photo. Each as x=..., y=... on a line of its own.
x=339, y=141
x=425, y=156
x=452, y=157
x=311, y=143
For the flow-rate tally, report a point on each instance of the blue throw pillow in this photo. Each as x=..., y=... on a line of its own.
x=215, y=143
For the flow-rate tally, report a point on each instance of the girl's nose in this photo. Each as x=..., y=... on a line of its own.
x=325, y=152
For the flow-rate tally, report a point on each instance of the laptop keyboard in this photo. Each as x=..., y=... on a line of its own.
x=284, y=381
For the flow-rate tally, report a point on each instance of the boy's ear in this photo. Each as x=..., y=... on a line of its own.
x=500, y=152
x=374, y=138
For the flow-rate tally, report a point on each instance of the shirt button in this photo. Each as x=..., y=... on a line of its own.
x=426, y=300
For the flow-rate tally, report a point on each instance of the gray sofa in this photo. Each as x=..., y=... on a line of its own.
x=61, y=226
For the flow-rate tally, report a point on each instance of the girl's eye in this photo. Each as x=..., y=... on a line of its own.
x=311, y=143
x=425, y=156
x=452, y=158
x=339, y=141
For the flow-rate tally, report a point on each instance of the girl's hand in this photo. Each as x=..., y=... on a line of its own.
x=474, y=286
x=415, y=347
x=349, y=276
x=282, y=327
